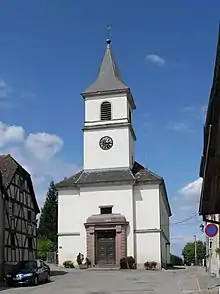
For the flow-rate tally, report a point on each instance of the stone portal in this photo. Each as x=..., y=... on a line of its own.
x=106, y=238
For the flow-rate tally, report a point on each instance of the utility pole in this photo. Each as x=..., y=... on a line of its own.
x=195, y=242
x=210, y=256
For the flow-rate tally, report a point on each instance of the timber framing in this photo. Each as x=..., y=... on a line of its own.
x=20, y=211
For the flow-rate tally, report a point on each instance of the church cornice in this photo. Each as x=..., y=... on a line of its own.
x=112, y=120
x=110, y=126
x=112, y=92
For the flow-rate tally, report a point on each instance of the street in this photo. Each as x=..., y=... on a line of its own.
x=190, y=280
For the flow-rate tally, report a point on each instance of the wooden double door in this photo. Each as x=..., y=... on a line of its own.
x=105, y=247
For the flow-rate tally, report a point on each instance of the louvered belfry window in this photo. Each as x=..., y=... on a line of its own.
x=106, y=111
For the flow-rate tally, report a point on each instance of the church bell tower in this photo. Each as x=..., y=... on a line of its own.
x=108, y=131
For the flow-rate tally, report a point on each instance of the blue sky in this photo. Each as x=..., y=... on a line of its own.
x=50, y=52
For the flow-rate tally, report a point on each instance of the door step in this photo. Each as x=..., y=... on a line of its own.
x=103, y=269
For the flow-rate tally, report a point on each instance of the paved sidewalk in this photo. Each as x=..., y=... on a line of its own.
x=205, y=281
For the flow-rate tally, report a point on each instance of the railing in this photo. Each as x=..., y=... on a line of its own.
x=52, y=257
x=49, y=257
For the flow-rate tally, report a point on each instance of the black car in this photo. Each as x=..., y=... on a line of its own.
x=28, y=272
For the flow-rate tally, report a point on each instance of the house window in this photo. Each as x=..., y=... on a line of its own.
x=105, y=209
x=29, y=216
x=30, y=243
x=12, y=240
x=106, y=111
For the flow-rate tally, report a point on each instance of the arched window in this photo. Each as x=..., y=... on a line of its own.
x=106, y=111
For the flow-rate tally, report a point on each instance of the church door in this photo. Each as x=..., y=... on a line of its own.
x=105, y=252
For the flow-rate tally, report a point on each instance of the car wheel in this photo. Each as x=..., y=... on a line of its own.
x=36, y=281
x=47, y=278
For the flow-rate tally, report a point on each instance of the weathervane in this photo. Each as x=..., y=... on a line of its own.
x=109, y=29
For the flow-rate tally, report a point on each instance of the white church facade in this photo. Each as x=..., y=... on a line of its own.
x=113, y=207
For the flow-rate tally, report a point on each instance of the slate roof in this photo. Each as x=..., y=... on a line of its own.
x=108, y=78
x=2, y=187
x=8, y=167
x=137, y=174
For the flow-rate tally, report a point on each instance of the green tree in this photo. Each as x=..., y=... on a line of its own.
x=44, y=245
x=189, y=252
x=49, y=215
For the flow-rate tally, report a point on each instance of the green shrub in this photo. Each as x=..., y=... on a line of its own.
x=123, y=263
x=127, y=263
x=42, y=255
x=131, y=262
x=68, y=264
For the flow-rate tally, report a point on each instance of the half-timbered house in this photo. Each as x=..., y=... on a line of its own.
x=2, y=194
x=20, y=209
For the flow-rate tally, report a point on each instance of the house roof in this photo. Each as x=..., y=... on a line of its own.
x=2, y=188
x=8, y=167
x=109, y=77
x=209, y=199
x=214, y=94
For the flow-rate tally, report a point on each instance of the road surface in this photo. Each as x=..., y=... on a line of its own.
x=92, y=281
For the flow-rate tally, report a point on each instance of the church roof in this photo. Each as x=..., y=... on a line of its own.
x=108, y=78
x=138, y=174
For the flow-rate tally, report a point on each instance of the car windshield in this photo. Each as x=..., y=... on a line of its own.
x=26, y=265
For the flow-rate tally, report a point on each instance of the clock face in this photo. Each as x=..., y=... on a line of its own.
x=106, y=143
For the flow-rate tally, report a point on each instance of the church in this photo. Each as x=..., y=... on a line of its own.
x=113, y=207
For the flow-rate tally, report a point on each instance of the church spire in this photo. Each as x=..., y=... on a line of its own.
x=108, y=78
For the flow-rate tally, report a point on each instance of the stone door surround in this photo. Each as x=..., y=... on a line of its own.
x=98, y=222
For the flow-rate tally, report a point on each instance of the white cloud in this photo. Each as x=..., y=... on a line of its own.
x=10, y=134
x=5, y=90
x=186, y=221
x=186, y=201
x=192, y=189
x=156, y=59
x=43, y=145
x=38, y=154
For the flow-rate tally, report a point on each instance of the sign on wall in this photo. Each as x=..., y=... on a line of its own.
x=211, y=230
